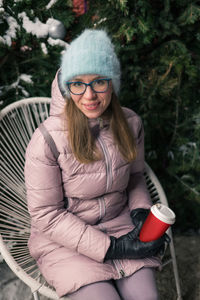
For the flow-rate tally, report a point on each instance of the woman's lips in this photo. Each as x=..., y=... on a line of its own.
x=91, y=106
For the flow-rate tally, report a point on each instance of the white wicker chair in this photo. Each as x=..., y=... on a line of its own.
x=17, y=124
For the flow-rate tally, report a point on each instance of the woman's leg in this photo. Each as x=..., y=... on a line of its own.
x=139, y=286
x=102, y=290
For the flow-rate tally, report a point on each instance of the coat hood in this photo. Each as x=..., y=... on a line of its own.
x=57, y=99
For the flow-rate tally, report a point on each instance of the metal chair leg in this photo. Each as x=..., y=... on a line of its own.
x=36, y=296
x=175, y=267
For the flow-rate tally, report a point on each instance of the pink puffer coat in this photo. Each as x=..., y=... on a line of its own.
x=70, y=243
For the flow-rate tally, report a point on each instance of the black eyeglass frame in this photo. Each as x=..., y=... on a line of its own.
x=88, y=84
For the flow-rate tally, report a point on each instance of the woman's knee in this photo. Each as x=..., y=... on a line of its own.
x=139, y=286
x=141, y=295
x=96, y=291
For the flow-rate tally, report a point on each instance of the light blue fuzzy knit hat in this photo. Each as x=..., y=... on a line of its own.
x=91, y=53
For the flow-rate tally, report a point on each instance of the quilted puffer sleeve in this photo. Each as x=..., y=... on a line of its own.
x=138, y=194
x=45, y=205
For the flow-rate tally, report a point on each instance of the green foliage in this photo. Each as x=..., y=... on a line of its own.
x=158, y=43
x=29, y=53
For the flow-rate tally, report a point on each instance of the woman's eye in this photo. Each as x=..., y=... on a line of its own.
x=100, y=82
x=77, y=84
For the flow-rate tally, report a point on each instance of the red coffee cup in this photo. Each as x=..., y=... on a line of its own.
x=157, y=222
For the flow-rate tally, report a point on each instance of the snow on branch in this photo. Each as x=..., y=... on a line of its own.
x=44, y=48
x=41, y=30
x=23, y=77
x=26, y=78
x=1, y=7
x=10, y=32
x=50, y=4
x=37, y=28
x=57, y=42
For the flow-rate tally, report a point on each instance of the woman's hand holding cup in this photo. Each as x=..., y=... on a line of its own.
x=154, y=222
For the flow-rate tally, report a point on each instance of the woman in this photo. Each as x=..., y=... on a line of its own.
x=87, y=208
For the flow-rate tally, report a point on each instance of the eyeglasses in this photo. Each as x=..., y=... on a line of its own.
x=97, y=85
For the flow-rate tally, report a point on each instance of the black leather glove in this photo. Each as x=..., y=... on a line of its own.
x=138, y=216
x=129, y=246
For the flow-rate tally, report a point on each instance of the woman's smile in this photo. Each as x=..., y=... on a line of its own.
x=91, y=106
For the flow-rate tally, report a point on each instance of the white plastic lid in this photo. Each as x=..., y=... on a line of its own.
x=163, y=213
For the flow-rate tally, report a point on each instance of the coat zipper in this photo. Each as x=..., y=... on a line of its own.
x=100, y=122
x=109, y=175
x=109, y=179
x=119, y=268
x=102, y=208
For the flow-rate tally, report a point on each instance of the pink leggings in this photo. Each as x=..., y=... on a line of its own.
x=139, y=286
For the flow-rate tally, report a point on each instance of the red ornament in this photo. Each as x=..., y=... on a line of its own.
x=80, y=7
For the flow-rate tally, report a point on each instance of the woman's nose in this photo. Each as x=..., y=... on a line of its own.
x=89, y=93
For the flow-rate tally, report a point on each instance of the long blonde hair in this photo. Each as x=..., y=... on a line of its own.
x=82, y=141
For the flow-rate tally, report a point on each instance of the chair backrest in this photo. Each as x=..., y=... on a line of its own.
x=18, y=121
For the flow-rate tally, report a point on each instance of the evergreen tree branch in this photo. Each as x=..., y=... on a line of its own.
x=193, y=190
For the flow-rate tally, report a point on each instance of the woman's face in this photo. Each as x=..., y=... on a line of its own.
x=92, y=104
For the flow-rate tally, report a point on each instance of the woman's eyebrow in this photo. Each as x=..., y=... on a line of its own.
x=77, y=79
x=81, y=79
